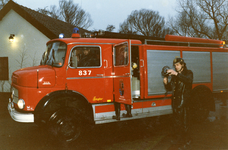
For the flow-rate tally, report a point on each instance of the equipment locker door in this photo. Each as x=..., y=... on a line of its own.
x=122, y=72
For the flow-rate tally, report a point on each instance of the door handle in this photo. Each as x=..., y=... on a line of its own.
x=106, y=63
x=142, y=62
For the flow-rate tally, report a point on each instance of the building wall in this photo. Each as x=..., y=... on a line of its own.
x=27, y=48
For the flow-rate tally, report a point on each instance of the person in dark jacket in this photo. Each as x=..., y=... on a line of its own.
x=88, y=59
x=180, y=85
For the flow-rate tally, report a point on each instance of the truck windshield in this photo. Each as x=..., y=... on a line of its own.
x=55, y=54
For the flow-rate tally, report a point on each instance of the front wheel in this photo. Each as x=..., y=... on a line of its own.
x=65, y=125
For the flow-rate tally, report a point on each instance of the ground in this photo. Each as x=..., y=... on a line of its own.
x=146, y=134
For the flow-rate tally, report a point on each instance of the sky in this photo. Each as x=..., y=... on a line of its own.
x=110, y=12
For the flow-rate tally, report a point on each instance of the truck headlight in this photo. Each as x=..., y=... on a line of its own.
x=21, y=104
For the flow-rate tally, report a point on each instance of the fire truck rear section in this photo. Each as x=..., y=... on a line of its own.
x=80, y=79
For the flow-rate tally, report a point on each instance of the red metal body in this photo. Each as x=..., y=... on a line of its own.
x=108, y=83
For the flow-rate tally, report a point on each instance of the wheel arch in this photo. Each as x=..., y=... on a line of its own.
x=202, y=89
x=50, y=98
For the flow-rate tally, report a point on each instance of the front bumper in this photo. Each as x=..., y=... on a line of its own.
x=18, y=116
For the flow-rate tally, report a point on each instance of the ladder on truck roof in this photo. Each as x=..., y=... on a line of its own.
x=173, y=40
x=169, y=40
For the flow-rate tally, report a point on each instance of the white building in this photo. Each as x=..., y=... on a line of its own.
x=29, y=32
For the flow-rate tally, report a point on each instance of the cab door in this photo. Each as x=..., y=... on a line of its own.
x=122, y=72
x=85, y=73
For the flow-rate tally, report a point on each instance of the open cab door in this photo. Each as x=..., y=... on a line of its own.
x=122, y=72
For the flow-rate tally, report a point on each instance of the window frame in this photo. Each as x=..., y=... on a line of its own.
x=45, y=55
x=69, y=63
x=114, y=56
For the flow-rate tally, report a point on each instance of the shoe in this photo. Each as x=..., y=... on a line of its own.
x=116, y=117
x=126, y=115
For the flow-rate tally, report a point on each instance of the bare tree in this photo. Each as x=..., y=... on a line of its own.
x=70, y=13
x=145, y=22
x=34, y=59
x=201, y=18
x=22, y=57
x=44, y=11
x=110, y=28
x=125, y=27
x=2, y=83
x=5, y=86
x=73, y=14
x=54, y=12
x=3, y=3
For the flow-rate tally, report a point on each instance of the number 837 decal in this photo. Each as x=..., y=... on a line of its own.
x=84, y=72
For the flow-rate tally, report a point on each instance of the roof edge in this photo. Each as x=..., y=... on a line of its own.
x=18, y=9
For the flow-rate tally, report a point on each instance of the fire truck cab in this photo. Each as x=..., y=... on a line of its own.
x=79, y=81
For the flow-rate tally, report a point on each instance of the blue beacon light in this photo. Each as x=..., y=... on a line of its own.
x=75, y=33
x=76, y=30
x=61, y=35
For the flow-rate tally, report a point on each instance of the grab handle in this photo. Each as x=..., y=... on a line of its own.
x=106, y=63
x=142, y=62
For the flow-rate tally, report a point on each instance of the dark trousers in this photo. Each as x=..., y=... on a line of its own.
x=180, y=123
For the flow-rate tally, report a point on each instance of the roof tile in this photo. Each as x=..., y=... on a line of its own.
x=49, y=26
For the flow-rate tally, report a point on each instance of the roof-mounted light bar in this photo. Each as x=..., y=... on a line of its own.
x=75, y=33
x=61, y=35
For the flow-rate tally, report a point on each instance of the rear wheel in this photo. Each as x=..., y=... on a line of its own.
x=201, y=100
x=65, y=125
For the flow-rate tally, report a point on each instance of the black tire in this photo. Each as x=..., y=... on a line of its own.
x=43, y=114
x=54, y=104
x=201, y=99
x=65, y=125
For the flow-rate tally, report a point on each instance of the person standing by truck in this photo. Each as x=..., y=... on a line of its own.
x=180, y=85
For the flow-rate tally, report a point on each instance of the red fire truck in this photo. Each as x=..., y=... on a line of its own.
x=79, y=81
